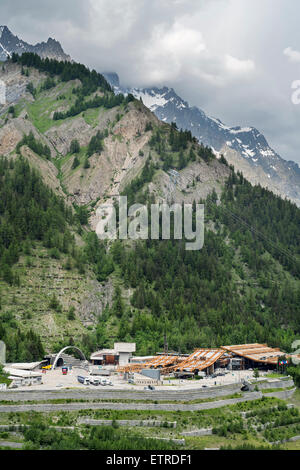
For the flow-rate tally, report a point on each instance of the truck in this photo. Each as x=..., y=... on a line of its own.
x=83, y=380
x=94, y=381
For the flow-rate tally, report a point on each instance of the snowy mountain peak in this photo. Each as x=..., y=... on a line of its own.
x=245, y=147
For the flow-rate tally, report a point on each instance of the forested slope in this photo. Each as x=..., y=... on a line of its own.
x=61, y=285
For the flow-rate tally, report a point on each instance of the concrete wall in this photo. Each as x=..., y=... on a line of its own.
x=184, y=395
x=274, y=384
x=198, y=432
x=152, y=373
x=146, y=381
x=283, y=395
x=126, y=422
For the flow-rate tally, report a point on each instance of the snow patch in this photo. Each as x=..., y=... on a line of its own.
x=267, y=153
x=151, y=101
x=241, y=130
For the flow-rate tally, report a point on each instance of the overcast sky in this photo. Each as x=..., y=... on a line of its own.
x=235, y=59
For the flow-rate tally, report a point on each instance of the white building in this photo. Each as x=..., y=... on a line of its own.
x=21, y=377
x=119, y=355
x=125, y=351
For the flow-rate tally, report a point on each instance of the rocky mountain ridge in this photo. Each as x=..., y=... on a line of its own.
x=9, y=43
x=244, y=147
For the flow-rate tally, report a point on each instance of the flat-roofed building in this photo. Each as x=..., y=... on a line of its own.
x=125, y=351
x=21, y=377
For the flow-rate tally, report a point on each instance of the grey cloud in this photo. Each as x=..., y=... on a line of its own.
x=225, y=56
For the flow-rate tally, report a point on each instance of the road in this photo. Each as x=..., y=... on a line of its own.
x=108, y=393
x=47, y=407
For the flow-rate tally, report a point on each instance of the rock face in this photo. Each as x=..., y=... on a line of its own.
x=126, y=146
x=10, y=43
x=246, y=148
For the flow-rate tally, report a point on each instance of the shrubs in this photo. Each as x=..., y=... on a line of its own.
x=86, y=164
x=40, y=436
x=71, y=313
x=76, y=162
x=12, y=111
x=74, y=146
x=48, y=84
x=35, y=145
x=54, y=304
x=96, y=144
x=108, y=101
x=233, y=426
x=30, y=88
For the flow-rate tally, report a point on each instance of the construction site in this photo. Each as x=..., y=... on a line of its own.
x=205, y=361
x=118, y=367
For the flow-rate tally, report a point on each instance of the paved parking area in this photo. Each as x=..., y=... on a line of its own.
x=54, y=380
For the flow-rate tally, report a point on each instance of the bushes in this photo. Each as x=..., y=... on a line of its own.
x=136, y=184
x=35, y=145
x=4, y=378
x=281, y=434
x=48, y=84
x=12, y=111
x=295, y=373
x=40, y=436
x=54, y=304
x=233, y=426
x=76, y=162
x=95, y=144
x=74, y=146
x=30, y=88
x=108, y=101
x=20, y=346
x=29, y=211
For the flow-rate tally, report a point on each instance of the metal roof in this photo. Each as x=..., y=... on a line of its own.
x=200, y=360
x=25, y=365
x=257, y=352
x=105, y=352
x=21, y=373
x=162, y=361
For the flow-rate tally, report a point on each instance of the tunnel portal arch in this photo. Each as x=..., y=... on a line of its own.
x=57, y=357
